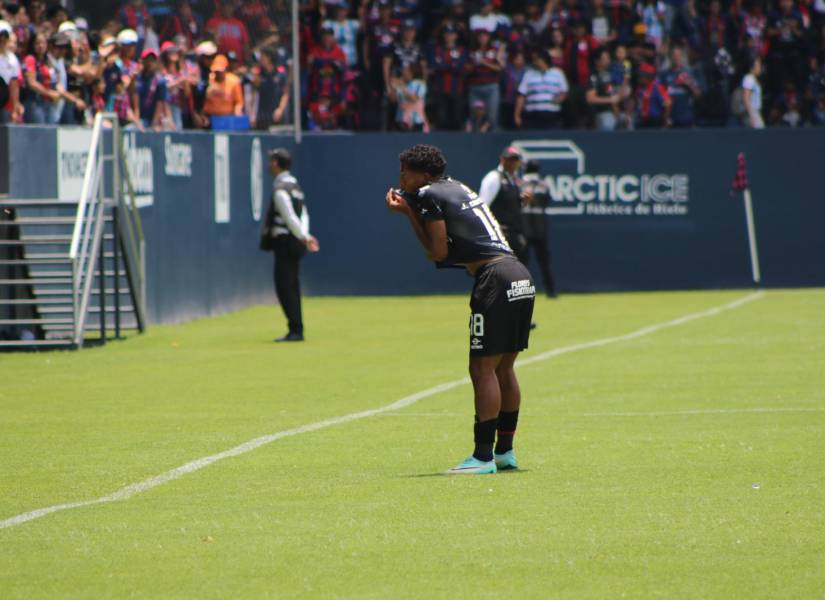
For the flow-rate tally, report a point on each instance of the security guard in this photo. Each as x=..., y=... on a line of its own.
x=287, y=223
x=535, y=200
x=501, y=192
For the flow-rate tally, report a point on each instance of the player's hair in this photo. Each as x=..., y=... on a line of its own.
x=423, y=158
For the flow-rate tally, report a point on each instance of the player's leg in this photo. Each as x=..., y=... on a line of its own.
x=508, y=416
x=487, y=394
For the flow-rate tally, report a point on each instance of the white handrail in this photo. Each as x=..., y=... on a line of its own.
x=88, y=181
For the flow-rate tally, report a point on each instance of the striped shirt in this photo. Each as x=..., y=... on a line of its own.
x=541, y=89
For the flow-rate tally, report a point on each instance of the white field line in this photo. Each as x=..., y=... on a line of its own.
x=198, y=464
x=708, y=411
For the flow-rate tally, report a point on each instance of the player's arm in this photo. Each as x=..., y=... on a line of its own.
x=431, y=233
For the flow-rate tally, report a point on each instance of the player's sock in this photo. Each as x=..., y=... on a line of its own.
x=485, y=436
x=507, y=422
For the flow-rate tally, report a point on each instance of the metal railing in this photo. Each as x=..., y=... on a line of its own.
x=85, y=251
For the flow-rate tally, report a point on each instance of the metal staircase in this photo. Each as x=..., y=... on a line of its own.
x=72, y=273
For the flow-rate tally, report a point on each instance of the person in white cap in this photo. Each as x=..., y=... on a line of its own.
x=127, y=39
x=10, y=107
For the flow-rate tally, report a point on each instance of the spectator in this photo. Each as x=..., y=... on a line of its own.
x=752, y=96
x=271, y=82
x=513, y=74
x=790, y=106
x=447, y=64
x=653, y=104
x=682, y=88
x=183, y=22
x=718, y=68
x=255, y=16
x=120, y=103
x=379, y=38
x=22, y=27
x=558, y=48
x=537, y=18
x=540, y=95
x=404, y=52
x=604, y=95
x=601, y=24
x=324, y=113
x=109, y=65
x=478, y=121
x=151, y=90
x=520, y=34
x=410, y=95
x=487, y=19
x=177, y=83
x=485, y=66
x=11, y=109
x=135, y=16
x=327, y=64
x=127, y=41
x=205, y=54
x=230, y=32
x=223, y=94
x=457, y=19
x=345, y=30
x=785, y=34
x=40, y=91
x=578, y=53
x=59, y=50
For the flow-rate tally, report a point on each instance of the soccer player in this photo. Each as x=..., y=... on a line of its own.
x=457, y=229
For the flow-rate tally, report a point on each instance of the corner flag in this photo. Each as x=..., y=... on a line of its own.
x=741, y=184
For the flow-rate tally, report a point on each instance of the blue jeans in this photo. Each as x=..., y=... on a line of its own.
x=38, y=112
x=490, y=95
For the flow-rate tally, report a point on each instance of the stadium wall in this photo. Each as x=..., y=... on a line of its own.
x=631, y=211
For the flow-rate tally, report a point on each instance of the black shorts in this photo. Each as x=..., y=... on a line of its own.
x=502, y=308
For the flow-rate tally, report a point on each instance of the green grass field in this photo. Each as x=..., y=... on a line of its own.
x=685, y=462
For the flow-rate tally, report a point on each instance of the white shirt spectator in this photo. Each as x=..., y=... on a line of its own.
x=489, y=22
x=752, y=83
x=540, y=90
x=9, y=66
x=346, y=36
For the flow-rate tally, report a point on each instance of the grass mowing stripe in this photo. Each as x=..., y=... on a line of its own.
x=195, y=465
x=710, y=411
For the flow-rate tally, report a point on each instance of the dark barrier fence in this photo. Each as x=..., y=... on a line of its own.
x=630, y=211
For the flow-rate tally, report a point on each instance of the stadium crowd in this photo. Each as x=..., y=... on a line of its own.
x=474, y=65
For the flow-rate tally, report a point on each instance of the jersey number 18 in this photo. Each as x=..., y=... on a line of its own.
x=490, y=223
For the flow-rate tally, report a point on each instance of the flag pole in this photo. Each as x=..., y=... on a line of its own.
x=296, y=73
x=757, y=276
x=741, y=184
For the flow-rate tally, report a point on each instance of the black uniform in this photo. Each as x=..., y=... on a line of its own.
x=503, y=294
x=535, y=229
x=288, y=252
x=506, y=207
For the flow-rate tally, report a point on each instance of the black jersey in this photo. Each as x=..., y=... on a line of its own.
x=472, y=231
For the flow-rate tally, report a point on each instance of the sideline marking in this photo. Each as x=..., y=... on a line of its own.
x=147, y=484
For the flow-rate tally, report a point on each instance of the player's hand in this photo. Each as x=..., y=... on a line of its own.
x=312, y=243
x=396, y=202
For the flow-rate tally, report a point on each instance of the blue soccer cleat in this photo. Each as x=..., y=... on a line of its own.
x=473, y=466
x=506, y=461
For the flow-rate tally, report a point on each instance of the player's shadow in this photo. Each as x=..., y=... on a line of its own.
x=443, y=474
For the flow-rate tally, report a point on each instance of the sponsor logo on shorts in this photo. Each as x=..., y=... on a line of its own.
x=476, y=344
x=522, y=289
